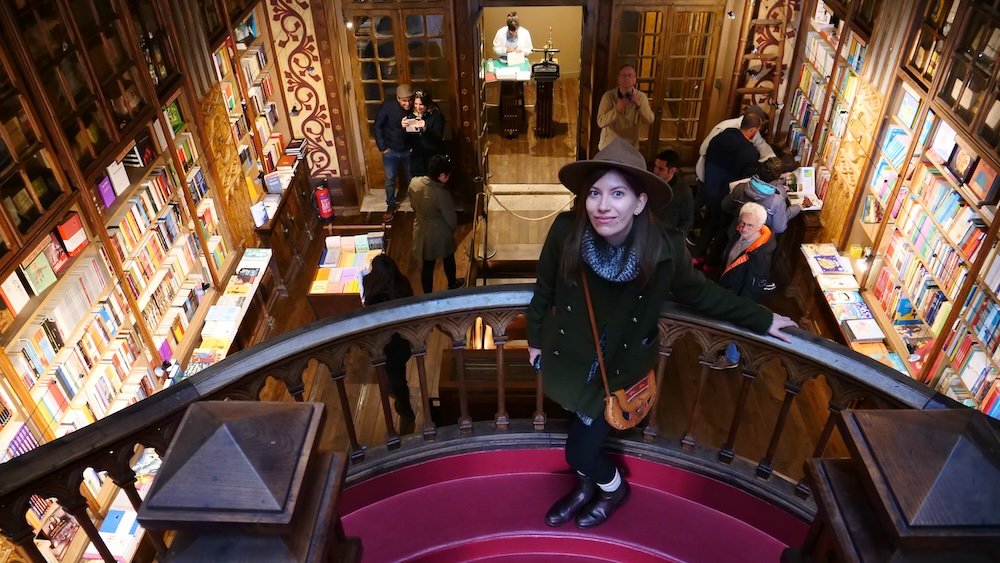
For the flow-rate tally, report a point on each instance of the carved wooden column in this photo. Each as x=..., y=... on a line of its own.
x=919, y=486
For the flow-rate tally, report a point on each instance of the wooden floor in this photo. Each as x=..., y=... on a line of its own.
x=721, y=387
x=528, y=159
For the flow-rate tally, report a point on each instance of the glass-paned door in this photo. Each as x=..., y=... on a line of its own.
x=674, y=49
x=395, y=45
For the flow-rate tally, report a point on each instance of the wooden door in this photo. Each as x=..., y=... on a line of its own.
x=393, y=43
x=674, y=48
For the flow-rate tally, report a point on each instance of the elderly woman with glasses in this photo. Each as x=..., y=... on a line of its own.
x=631, y=266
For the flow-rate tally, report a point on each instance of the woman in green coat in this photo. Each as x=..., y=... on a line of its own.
x=631, y=267
x=435, y=222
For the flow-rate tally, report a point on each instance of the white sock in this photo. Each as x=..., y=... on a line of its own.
x=613, y=485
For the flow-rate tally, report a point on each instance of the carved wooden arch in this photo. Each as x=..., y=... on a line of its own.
x=13, y=520
x=845, y=393
x=332, y=356
x=248, y=388
x=63, y=485
x=680, y=330
x=499, y=320
x=796, y=373
x=290, y=373
x=457, y=327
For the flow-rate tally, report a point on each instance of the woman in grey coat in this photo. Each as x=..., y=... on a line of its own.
x=435, y=222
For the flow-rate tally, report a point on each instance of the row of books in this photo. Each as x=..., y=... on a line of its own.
x=951, y=209
x=971, y=362
x=151, y=255
x=819, y=53
x=803, y=114
x=344, y=261
x=39, y=270
x=992, y=276
x=981, y=313
x=253, y=61
x=847, y=83
x=933, y=250
x=799, y=142
x=137, y=214
x=196, y=183
x=918, y=284
x=187, y=150
x=991, y=400
x=813, y=85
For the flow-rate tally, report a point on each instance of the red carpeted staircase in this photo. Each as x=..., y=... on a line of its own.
x=489, y=506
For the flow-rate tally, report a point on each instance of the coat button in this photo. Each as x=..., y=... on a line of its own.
x=625, y=346
x=556, y=353
x=635, y=320
x=561, y=331
x=568, y=308
x=618, y=372
x=640, y=298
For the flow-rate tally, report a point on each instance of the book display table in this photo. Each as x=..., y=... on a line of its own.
x=336, y=286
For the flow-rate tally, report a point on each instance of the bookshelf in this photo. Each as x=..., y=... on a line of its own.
x=112, y=236
x=251, y=91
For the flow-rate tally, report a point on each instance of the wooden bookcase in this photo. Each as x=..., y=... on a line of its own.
x=924, y=214
x=112, y=241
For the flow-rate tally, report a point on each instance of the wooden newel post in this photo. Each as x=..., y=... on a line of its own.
x=244, y=481
x=919, y=486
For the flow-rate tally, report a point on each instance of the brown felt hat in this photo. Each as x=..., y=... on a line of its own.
x=404, y=91
x=618, y=155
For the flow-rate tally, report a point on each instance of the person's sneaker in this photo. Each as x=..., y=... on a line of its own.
x=723, y=362
x=388, y=215
x=456, y=284
x=769, y=285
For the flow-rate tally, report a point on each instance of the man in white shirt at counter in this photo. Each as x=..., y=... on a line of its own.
x=512, y=38
x=763, y=149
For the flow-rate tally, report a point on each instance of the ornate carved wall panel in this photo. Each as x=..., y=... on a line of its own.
x=234, y=198
x=304, y=58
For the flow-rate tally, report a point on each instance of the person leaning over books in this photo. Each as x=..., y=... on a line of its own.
x=610, y=241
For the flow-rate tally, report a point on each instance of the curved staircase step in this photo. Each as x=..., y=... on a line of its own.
x=489, y=506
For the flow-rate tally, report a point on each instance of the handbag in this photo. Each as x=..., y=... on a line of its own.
x=624, y=408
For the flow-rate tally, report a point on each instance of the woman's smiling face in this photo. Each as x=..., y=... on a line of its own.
x=612, y=205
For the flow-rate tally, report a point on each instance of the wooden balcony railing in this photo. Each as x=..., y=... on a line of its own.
x=757, y=438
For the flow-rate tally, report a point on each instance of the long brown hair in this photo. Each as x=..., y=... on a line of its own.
x=644, y=238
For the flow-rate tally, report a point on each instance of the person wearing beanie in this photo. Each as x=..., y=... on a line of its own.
x=767, y=189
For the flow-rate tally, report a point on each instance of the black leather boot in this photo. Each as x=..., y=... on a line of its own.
x=566, y=508
x=598, y=511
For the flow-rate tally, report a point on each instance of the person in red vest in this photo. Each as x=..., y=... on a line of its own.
x=747, y=260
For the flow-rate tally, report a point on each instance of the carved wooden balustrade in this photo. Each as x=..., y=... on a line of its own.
x=765, y=392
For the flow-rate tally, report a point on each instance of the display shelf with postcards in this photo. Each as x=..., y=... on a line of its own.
x=336, y=284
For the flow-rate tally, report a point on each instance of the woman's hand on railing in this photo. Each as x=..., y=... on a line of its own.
x=779, y=322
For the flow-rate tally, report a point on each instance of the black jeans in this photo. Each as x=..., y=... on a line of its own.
x=584, y=449
x=427, y=272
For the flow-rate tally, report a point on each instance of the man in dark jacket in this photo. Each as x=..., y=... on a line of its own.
x=678, y=213
x=731, y=156
x=391, y=140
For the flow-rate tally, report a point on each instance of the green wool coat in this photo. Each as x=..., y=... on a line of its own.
x=558, y=323
x=434, y=221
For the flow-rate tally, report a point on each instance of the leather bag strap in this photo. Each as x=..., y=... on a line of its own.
x=597, y=339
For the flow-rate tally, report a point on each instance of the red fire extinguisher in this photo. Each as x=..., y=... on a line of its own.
x=324, y=206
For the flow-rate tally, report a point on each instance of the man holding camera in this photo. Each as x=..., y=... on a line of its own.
x=622, y=108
